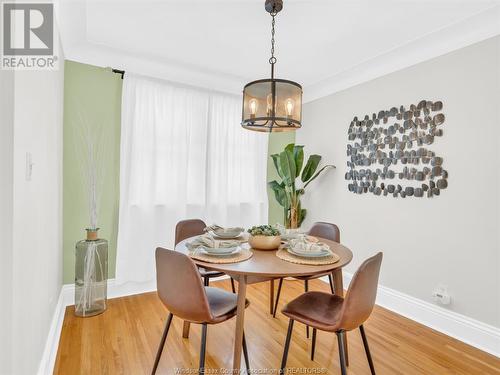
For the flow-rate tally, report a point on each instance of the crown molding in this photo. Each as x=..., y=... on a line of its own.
x=93, y=54
x=474, y=29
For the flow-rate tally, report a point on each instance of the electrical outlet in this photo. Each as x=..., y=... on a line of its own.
x=441, y=295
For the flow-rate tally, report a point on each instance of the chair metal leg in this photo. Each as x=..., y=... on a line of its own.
x=203, y=348
x=346, y=350
x=271, y=297
x=287, y=346
x=245, y=354
x=162, y=343
x=277, y=298
x=232, y=285
x=206, y=281
x=340, y=338
x=313, y=347
x=367, y=349
x=306, y=289
x=330, y=279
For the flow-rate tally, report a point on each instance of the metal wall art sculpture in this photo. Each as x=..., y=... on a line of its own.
x=388, y=155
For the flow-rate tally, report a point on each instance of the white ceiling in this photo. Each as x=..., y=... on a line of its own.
x=222, y=44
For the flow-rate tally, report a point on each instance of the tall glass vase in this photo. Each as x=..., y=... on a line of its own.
x=91, y=275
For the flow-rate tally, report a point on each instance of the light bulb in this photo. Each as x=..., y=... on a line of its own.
x=253, y=107
x=289, y=104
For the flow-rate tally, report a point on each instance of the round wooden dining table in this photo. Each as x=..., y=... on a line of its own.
x=264, y=266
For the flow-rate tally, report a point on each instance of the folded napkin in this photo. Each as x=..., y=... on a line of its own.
x=217, y=229
x=306, y=246
x=209, y=242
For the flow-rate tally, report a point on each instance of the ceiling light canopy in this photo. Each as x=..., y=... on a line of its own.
x=272, y=105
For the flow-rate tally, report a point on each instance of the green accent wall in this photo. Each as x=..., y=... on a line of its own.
x=93, y=94
x=277, y=142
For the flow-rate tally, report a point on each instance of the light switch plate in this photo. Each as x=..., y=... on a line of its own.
x=29, y=166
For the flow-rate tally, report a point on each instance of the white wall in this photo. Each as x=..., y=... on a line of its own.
x=6, y=184
x=37, y=233
x=30, y=221
x=451, y=239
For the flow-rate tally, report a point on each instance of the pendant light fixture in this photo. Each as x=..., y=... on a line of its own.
x=272, y=105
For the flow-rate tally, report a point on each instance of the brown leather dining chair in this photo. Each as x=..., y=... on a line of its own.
x=319, y=229
x=332, y=313
x=190, y=228
x=184, y=295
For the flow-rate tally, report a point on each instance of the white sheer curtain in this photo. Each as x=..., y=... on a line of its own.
x=183, y=155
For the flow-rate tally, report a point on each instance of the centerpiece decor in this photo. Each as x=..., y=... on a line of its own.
x=91, y=256
x=288, y=164
x=272, y=104
x=264, y=237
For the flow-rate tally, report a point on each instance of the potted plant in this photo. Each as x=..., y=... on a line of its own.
x=264, y=237
x=288, y=164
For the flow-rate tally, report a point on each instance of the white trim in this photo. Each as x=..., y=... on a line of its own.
x=479, y=27
x=115, y=290
x=470, y=331
x=67, y=298
x=463, y=33
x=48, y=360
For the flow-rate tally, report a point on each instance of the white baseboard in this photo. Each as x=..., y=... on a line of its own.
x=115, y=290
x=48, y=360
x=473, y=332
x=480, y=335
x=67, y=298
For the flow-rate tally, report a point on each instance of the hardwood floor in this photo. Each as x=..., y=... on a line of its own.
x=124, y=340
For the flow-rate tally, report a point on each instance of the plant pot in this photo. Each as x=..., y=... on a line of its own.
x=264, y=242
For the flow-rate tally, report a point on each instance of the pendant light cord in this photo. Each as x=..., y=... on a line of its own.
x=272, y=59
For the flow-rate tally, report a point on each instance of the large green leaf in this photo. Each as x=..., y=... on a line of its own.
x=276, y=161
x=317, y=174
x=310, y=168
x=287, y=164
x=289, y=147
x=281, y=198
x=298, y=156
x=280, y=193
x=274, y=184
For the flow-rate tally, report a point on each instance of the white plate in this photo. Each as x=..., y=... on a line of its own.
x=318, y=250
x=310, y=254
x=221, y=251
x=227, y=232
x=291, y=236
x=226, y=236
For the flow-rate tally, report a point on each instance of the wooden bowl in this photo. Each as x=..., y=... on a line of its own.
x=264, y=242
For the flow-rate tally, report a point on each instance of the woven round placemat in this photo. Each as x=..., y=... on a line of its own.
x=285, y=255
x=240, y=256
